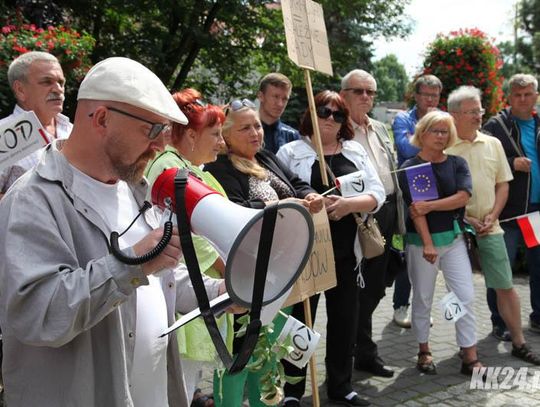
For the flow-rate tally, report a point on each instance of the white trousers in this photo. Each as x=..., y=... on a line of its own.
x=454, y=263
x=192, y=370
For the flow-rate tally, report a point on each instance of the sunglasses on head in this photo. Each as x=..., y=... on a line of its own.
x=238, y=104
x=325, y=112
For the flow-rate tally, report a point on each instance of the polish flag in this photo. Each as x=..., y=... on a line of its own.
x=530, y=228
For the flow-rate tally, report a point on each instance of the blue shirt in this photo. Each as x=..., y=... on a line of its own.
x=528, y=141
x=278, y=134
x=403, y=128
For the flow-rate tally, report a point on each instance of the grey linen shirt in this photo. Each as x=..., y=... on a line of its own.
x=67, y=306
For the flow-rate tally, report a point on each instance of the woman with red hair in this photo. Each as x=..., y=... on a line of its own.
x=191, y=146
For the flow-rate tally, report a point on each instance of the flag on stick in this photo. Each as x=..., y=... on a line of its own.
x=422, y=182
x=530, y=228
x=351, y=184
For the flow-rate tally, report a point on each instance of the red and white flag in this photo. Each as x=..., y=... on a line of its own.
x=530, y=228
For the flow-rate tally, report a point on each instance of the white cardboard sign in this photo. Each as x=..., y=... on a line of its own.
x=452, y=308
x=20, y=137
x=304, y=341
x=305, y=31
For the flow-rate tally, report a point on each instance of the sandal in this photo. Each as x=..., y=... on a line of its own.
x=201, y=400
x=425, y=363
x=525, y=353
x=467, y=368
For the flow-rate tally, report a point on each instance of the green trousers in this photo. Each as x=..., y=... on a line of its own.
x=229, y=389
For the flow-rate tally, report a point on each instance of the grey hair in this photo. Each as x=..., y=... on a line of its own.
x=360, y=74
x=18, y=69
x=431, y=81
x=522, y=80
x=457, y=96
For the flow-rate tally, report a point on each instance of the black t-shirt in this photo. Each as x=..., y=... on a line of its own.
x=452, y=175
x=344, y=230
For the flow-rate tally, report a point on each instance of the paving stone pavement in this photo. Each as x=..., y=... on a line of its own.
x=398, y=348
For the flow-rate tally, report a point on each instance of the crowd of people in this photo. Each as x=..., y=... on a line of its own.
x=81, y=327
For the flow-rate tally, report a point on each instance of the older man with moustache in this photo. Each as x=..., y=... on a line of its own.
x=37, y=81
x=358, y=89
x=81, y=327
x=490, y=176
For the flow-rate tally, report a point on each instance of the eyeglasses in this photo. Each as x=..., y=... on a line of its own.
x=429, y=95
x=362, y=91
x=155, y=130
x=479, y=112
x=325, y=112
x=439, y=132
x=194, y=103
x=238, y=104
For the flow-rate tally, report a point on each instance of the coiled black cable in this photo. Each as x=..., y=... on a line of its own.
x=162, y=244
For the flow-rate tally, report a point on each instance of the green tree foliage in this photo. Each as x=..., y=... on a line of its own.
x=467, y=57
x=223, y=47
x=530, y=16
x=523, y=53
x=391, y=79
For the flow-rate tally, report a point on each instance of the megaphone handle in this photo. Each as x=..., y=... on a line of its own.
x=145, y=258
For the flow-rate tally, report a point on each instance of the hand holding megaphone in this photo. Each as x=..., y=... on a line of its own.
x=168, y=258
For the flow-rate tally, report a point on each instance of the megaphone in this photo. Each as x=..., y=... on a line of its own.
x=235, y=232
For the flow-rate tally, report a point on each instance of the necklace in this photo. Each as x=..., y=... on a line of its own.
x=332, y=155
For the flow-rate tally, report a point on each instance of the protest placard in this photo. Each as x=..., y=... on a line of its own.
x=20, y=137
x=320, y=272
x=305, y=31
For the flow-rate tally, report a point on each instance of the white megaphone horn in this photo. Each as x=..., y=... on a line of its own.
x=235, y=233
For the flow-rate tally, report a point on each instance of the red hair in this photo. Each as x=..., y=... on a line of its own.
x=200, y=115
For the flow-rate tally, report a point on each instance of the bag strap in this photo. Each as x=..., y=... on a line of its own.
x=263, y=256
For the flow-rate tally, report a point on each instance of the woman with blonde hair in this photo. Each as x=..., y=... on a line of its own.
x=254, y=177
x=435, y=238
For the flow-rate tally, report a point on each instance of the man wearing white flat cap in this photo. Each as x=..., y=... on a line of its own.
x=80, y=327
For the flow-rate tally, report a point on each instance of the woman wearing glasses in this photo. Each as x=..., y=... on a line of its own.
x=434, y=236
x=191, y=146
x=343, y=156
x=253, y=177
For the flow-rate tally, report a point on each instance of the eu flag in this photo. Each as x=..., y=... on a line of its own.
x=422, y=183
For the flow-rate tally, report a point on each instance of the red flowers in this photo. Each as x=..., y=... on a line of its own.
x=70, y=47
x=467, y=56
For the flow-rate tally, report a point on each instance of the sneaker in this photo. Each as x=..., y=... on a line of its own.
x=502, y=334
x=401, y=317
x=534, y=326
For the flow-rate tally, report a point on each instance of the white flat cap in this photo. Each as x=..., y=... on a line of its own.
x=124, y=80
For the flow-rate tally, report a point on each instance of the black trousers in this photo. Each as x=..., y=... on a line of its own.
x=342, y=310
x=374, y=272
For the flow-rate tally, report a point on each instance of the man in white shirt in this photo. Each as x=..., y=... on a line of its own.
x=37, y=81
